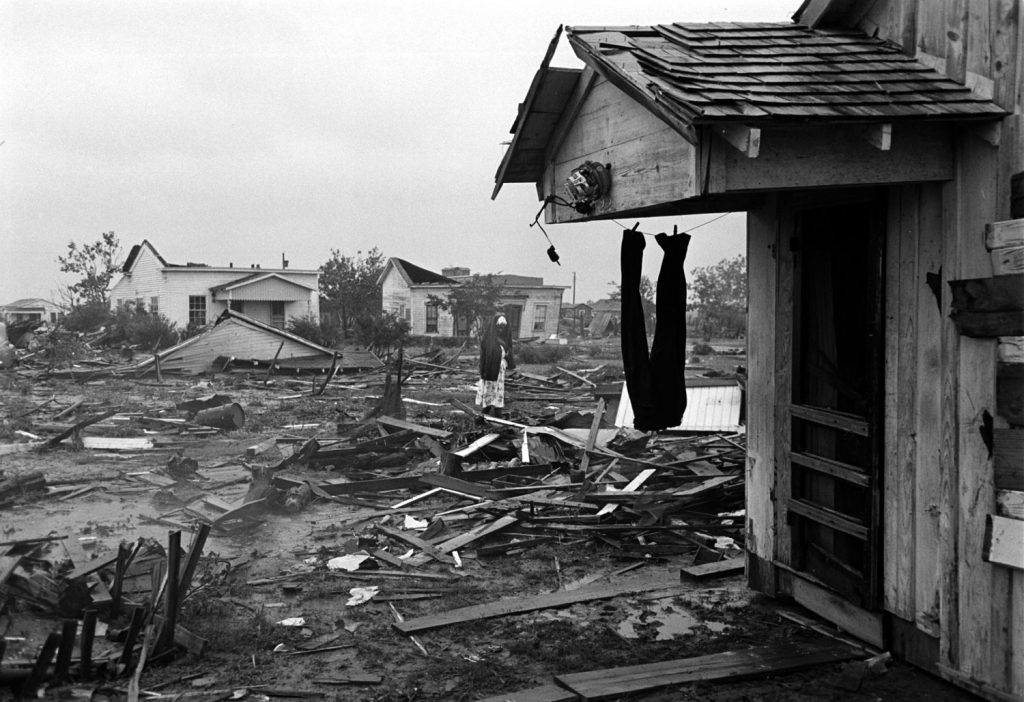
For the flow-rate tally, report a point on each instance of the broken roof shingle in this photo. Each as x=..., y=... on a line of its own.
x=758, y=72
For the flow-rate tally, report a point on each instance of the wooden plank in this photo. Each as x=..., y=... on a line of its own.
x=636, y=482
x=415, y=541
x=1010, y=503
x=828, y=517
x=1008, y=261
x=651, y=163
x=927, y=495
x=542, y=693
x=783, y=371
x=836, y=420
x=730, y=665
x=412, y=426
x=814, y=156
x=484, y=440
x=503, y=608
x=595, y=425
x=836, y=469
x=455, y=485
x=1009, y=233
x=866, y=626
x=982, y=590
x=1004, y=541
x=714, y=569
x=760, y=463
x=457, y=542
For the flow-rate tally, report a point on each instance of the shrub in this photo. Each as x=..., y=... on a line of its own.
x=87, y=317
x=700, y=349
x=310, y=328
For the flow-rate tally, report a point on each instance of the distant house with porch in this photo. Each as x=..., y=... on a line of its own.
x=194, y=294
x=31, y=309
x=532, y=307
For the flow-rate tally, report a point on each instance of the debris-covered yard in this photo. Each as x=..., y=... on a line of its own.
x=377, y=539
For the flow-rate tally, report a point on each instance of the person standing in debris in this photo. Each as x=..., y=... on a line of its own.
x=495, y=359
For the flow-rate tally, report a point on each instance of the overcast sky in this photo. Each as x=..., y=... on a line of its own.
x=238, y=131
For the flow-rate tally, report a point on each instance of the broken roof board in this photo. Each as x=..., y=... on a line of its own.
x=241, y=337
x=709, y=408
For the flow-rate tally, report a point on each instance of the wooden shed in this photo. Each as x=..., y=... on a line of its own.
x=877, y=148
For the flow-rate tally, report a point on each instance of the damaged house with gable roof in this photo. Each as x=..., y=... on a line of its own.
x=532, y=308
x=877, y=147
x=194, y=294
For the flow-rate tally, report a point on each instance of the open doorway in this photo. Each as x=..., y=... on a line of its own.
x=833, y=505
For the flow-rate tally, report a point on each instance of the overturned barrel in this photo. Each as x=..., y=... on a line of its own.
x=228, y=417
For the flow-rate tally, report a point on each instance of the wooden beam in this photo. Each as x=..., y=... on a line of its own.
x=1004, y=541
x=412, y=426
x=715, y=569
x=746, y=140
x=879, y=135
x=730, y=665
x=989, y=132
x=503, y=608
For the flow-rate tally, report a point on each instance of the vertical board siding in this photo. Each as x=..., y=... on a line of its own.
x=783, y=320
x=927, y=409
x=760, y=469
x=982, y=587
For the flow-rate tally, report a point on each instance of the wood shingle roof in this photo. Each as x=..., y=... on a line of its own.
x=723, y=72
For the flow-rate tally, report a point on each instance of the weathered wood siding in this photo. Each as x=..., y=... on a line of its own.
x=650, y=162
x=939, y=475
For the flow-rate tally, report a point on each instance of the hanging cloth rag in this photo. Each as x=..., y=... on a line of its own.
x=655, y=381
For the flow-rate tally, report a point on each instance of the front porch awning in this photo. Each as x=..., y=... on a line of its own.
x=262, y=287
x=717, y=111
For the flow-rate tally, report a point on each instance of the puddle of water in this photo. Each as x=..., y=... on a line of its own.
x=668, y=619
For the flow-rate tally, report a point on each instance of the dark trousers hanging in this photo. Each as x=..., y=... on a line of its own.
x=657, y=390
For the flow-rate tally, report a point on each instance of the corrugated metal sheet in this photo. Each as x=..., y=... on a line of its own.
x=710, y=408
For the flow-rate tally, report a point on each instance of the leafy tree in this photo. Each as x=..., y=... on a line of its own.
x=96, y=264
x=646, y=290
x=348, y=287
x=475, y=300
x=718, y=297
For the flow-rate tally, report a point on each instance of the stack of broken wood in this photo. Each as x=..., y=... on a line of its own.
x=492, y=486
x=135, y=595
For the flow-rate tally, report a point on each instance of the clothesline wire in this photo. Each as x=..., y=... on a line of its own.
x=702, y=224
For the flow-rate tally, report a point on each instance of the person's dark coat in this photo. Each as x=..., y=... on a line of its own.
x=495, y=338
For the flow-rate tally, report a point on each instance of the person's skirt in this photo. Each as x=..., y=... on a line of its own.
x=491, y=393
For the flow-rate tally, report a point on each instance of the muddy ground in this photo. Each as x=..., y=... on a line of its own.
x=467, y=661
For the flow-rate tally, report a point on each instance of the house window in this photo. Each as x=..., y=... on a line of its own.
x=277, y=314
x=431, y=318
x=540, y=317
x=154, y=305
x=462, y=325
x=196, y=310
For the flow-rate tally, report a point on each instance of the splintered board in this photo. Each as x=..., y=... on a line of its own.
x=731, y=665
x=1004, y=541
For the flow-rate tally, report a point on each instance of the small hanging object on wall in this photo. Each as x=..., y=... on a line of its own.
x=552, y=254
x=587, y=184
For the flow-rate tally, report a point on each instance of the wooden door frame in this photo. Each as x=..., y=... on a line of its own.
x=815, y=594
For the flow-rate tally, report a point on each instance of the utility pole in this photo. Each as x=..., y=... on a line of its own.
x=574, y=287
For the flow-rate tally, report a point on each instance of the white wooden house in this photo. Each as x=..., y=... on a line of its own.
x=532, y=307
x=877, y=147
x=193, y=294
x=32, y=309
